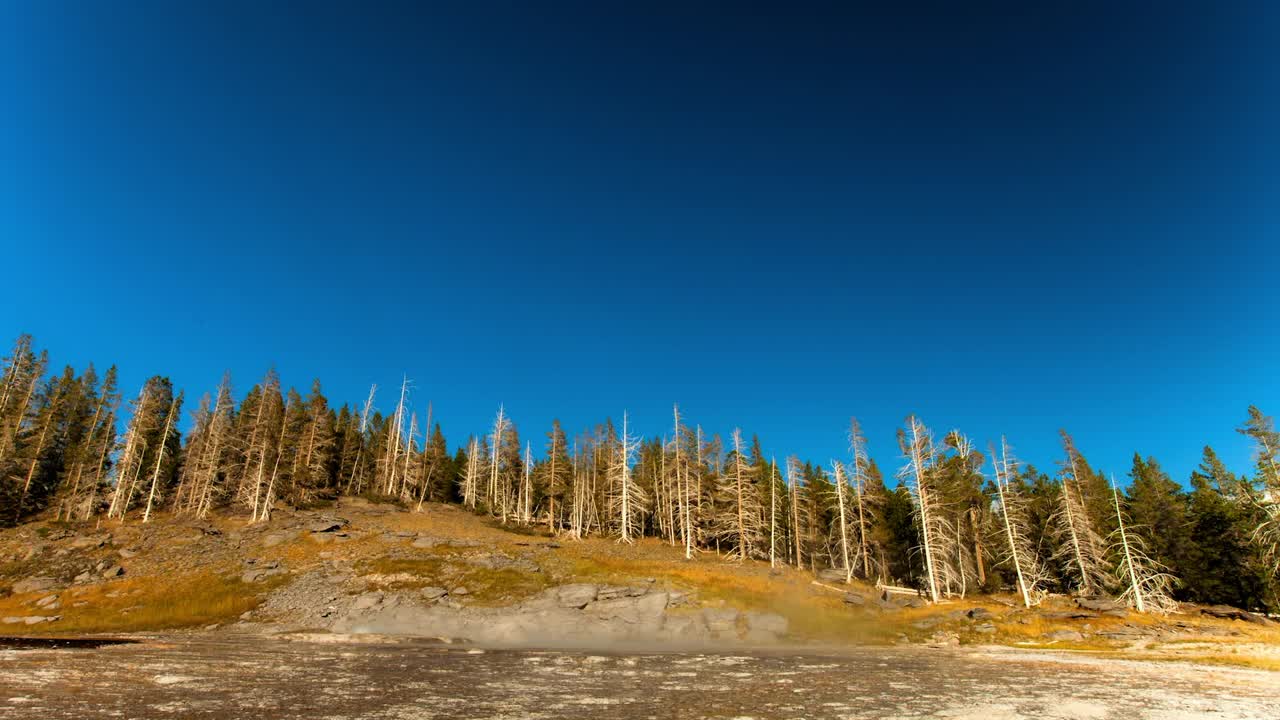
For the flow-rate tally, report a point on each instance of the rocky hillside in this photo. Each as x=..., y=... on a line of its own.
x=377, y=571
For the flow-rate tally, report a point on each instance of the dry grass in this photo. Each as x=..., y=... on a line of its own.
x=152, y=603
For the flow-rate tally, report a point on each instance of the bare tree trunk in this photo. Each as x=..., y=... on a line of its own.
x=164, y=439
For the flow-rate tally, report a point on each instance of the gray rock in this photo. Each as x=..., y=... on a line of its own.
x=30, y=619
x=90, y=541
x=1064, y=635
x=835, y=575
x=578, y=595
x=425, y=543
x=367, y=600
x=272, y=540
x=113, y=571
x=33, y=584
x=852, y=598
x=432, y=593
x=978, y=613
x=613, y=592
x=460, y=591
x=1099, y=604
x=721, y=622
x=327, y=525
x=126, y=553
x=1226, y=612
x=769, y=623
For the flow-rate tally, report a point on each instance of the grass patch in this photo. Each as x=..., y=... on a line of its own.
x=484, y=586
x=151, y=603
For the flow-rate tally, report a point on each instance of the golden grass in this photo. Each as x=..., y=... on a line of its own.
x=151, y=603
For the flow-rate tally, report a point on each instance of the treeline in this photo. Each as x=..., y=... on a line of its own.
x=959, y=520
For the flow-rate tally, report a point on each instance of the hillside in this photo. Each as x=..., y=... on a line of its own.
x=367, y=569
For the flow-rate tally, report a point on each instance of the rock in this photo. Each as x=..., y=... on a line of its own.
x=459, y=591
x=851, y=598
x=327, y=525
x=835, y=575
x=552, y=546
x=943, y=639
x=272, y=540
x=979, y=613
x=1099, y=604
x=113, y=571
x=913, y=602
x=83, y=577
x=577, y=596
x=30, y=619
x=613, y=592
x=1225, y=612
x=33, y=584
x=432, y=593
x=367, y=600
x=91, y=541
x=126, y=553
x=425, y=543
x=1071, y=615
x=48, y=602
x=722, y=622
x=770, y=623
x=1061, y=635
x=985, y=629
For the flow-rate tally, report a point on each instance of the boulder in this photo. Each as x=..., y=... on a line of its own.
x=30, y=619
x=112, y=572
x=1064, y=635
x=367, y=601
x=769, y=623
x=613, y=592
x=327, y=525
x=90, y=541
x=126, y=553
x=578, y=595
x=33, y=584
x=425, y=543
x=835, y=575
x=1225, y=612
x=851, y=598
x=721, y=622
x=48, y=602
x=432, y=593
x=979, y=613
x=460, y=591
x=1100, y=604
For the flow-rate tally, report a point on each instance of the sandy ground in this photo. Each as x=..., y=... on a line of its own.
x=262, y=678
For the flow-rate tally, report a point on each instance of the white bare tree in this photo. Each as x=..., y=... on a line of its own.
x=740, y=521
x=629, y=498
x=169, y=420
x=1020, y=553
x=1146, y=585
x=936, y=532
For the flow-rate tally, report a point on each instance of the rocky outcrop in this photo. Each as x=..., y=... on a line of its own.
x=577, y=615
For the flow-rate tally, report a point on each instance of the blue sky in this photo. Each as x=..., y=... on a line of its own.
x=1007, y=219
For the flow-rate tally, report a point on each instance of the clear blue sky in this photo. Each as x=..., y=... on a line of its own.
x=1006, y=218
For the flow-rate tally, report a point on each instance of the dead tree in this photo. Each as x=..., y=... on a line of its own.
x=1146, y=585
x=629, y=498
x=837, y=470
x=738, y=490
x=169, y=419
x=862, y=501
x=1021, y=552
x=794, y=472
x=1082, y=552
x=129, y=464
x=357, y=468
x=936, y=533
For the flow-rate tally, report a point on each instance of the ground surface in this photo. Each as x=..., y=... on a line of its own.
x=230, y=677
